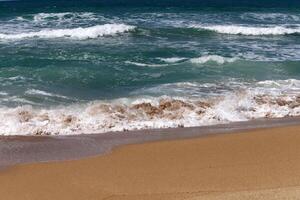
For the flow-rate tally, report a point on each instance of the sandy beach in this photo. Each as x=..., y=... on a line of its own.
x=255, y=164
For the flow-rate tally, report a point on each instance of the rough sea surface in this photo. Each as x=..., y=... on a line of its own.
x=76, y=68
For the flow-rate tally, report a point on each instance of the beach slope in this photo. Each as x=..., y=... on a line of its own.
x=256, y=164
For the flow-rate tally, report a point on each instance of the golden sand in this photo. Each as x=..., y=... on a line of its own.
x=260, y=164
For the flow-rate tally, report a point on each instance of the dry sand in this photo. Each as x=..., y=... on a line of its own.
x=259, y=164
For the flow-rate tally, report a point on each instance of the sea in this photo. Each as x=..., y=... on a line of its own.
x=83, y=67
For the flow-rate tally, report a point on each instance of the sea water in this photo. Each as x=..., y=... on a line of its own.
x=79, y=67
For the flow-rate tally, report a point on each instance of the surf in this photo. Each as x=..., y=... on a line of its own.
x=73, y=33
x=248, y=30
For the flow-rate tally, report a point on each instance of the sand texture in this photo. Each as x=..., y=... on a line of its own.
x=257, y=164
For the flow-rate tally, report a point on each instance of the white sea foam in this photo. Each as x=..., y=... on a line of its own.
x=16, y=78
x=247, y=30
x=58, y=17
x=145, y=64
x=200, y=60
x=75, y=33
x=212, y=58
x=35, y=92
x=270, y=16
x=18, y=100
x=63, y=16
x=20, y=18
x=266, y=99
x=172, y=60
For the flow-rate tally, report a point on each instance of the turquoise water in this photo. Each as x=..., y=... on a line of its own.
x=57, y=63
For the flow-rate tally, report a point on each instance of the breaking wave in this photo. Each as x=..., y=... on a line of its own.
x=247, y=30
x=63, y=16
x=145, y=64
x=199, y=60
x=213, y=58
x=172, y=60
x=75, y=33
x=268, y=99
x=281, y=17
x=34, y=92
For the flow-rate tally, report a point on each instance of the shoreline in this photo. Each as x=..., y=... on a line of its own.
x=261, y=163
x=31, y=149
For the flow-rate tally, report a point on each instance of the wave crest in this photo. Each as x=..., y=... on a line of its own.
x=247, y=30
x=175, y=60
x=75, y=33
x=268, y=99
x=62, y=16
x=282, y=17
x=212, y=58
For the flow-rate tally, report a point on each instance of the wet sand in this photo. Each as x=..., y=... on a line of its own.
x=253, y=164
x=29, y=149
